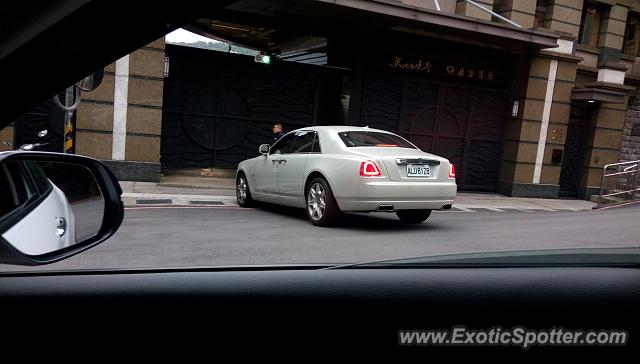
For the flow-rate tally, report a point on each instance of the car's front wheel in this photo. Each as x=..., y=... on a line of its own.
x=243, y=194
x=413, y=216
x=322, y=207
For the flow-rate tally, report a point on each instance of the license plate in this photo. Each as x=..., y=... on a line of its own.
x=418, y=170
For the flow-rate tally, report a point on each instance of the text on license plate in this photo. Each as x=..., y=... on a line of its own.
x=418, y=170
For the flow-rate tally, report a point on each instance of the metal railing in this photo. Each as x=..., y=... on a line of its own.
x=620, y=181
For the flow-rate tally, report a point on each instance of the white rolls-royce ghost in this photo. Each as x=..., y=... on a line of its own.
x=331, y=169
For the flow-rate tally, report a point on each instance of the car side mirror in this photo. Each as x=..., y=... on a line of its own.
x=264, y=149
x=54, y=205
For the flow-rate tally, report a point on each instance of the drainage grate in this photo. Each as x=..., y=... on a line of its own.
x=153, y=202
x=206, y=202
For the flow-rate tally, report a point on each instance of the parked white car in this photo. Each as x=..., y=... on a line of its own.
x=332, y=169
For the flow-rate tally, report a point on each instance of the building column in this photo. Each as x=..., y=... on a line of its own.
x=520, y=11
x=565, y=16
x=605, y=133
x=120, y=104
x=611, y=36
x=472, y=11
x=602, y=145
x=543, y=88
x=121, y=121
x=611, y=42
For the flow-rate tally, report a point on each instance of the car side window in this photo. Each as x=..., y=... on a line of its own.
x=303, y=142
x=282, y=145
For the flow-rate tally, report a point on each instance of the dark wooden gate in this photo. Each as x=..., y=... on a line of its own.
x=219, y=107
x=463, y=123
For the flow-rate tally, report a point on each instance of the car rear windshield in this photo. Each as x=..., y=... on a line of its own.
x=373, y=139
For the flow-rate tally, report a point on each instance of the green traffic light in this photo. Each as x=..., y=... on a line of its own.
x=266, y=59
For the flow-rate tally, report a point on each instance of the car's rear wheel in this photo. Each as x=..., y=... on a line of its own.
x=413, y=216
x=322, y=207
x=243, y=194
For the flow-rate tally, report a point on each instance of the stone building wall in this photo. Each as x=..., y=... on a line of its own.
x=630, y=148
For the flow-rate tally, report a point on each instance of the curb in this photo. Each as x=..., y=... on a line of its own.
x=226, y=201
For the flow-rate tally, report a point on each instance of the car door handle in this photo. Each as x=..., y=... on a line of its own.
x=283, y=161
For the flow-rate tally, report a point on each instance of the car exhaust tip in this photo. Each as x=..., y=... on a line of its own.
x=446, y=207
x=385, y=208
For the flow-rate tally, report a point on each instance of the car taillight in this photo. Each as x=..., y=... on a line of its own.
x=369, y=169
x=452, y=171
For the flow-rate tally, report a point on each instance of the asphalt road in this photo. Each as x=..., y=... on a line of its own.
x=216, y=236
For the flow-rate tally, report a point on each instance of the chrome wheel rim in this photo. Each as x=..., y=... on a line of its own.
x=241, y=189
x=316, y=201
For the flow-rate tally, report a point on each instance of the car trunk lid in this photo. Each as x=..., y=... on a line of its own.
x=404, y=164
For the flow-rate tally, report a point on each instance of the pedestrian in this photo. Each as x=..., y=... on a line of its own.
x=277, y=131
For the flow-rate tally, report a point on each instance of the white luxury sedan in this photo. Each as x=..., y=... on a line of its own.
x=331, y=169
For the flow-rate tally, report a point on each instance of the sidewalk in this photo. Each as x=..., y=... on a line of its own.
x=220, y=191
x=180, y=192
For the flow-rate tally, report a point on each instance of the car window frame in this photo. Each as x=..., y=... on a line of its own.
x=28, y=169
x=295, y=138
x=280, y=141
x=298, y=134
x=412, y=146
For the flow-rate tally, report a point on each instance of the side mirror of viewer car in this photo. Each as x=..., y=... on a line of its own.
x=54, y=205
x=264, y=149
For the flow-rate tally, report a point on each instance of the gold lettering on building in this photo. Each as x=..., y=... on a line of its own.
x=470, y=73
x=557, y=135
x=425, y=65
x=421, y=65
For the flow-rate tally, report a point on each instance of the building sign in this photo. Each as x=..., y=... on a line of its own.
x=422, y=65
x=557, y=135
x=436, y=67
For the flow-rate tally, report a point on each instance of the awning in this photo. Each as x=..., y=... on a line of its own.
x=265, y=25
x=601, y=92
x=437, y=22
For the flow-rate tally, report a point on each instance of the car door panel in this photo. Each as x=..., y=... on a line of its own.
x=291, y=169
x=264, y=176
x=291, y=179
